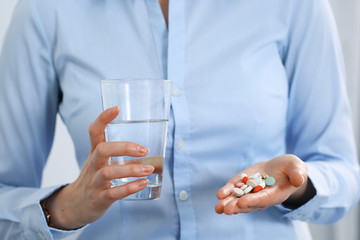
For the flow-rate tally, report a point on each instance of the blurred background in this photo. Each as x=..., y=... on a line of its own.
x=347, y=16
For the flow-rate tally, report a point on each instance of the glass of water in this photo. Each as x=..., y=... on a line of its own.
x=143, y=119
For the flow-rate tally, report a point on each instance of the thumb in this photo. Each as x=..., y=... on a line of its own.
x=296, y=170
x=96, y=128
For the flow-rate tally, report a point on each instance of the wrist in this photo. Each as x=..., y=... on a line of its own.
x=58, y=212
x=45, y=207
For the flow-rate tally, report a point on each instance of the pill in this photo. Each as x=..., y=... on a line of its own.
x=258, y=180
x=244, y=187
x=270, y=181
x=264, y=175
x=251, y=183
x=248, y=189
x=239, y=184
x=258, y=189
x=256, y=175
x=237, y=192
x=262, y=184
x=243, y=175
x=245, y=179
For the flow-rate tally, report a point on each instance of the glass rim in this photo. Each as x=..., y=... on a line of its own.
x=121, y=80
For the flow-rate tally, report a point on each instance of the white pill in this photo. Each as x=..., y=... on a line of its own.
x=243, y=175
x=258, y=180
x=244, y=187
x=252, y=183
x=237, y=192
x=248, y=189
x=256, y=175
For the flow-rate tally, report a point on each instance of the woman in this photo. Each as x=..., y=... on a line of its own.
x=258, y=87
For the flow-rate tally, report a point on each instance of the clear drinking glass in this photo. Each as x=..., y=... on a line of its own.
x=143, y=119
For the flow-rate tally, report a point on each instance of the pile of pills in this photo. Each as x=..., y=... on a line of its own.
x=254, y=183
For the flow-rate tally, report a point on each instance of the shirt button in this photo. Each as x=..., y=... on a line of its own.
x=180, y=144
x=183, y=195
x=175, y=92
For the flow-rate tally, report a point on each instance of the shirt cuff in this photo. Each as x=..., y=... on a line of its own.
x=34, y=219
x=307, y=212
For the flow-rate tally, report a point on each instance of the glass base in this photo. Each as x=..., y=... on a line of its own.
x=148, y=193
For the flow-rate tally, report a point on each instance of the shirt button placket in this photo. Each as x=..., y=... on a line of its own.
x=175, y=92
x=180, y=144
x=176, y=71
x=183, y=195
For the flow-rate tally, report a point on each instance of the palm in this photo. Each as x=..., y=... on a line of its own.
x=289, y=172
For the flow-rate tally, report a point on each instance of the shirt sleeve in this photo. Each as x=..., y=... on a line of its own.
x=319, y=127
x=29, y=97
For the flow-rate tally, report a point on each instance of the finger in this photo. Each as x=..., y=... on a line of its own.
x=120, y=192
x=96, y=128
x=246, y=210
x=225, y=191
x=219, y=208
x=105, y=150
x=262, y=199
x=231, y=206
x=122, y=171
x=297, y=172
x=241, y=205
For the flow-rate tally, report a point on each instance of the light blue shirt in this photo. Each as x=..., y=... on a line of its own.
x=253, y=79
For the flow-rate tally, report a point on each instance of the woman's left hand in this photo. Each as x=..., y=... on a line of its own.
x=290, y=174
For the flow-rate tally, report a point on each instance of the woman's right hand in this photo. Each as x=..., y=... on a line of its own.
x=90, y=195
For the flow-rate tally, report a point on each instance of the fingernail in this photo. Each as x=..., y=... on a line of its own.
x=142, y=149
x=143, y=182
x=303, y=180
x=114, y=109
x=148, y=168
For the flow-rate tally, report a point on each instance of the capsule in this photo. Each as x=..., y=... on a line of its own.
x=248, y=189
x=256, y=175
x=258, y=188
x=245, y=179
x=243, y=175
